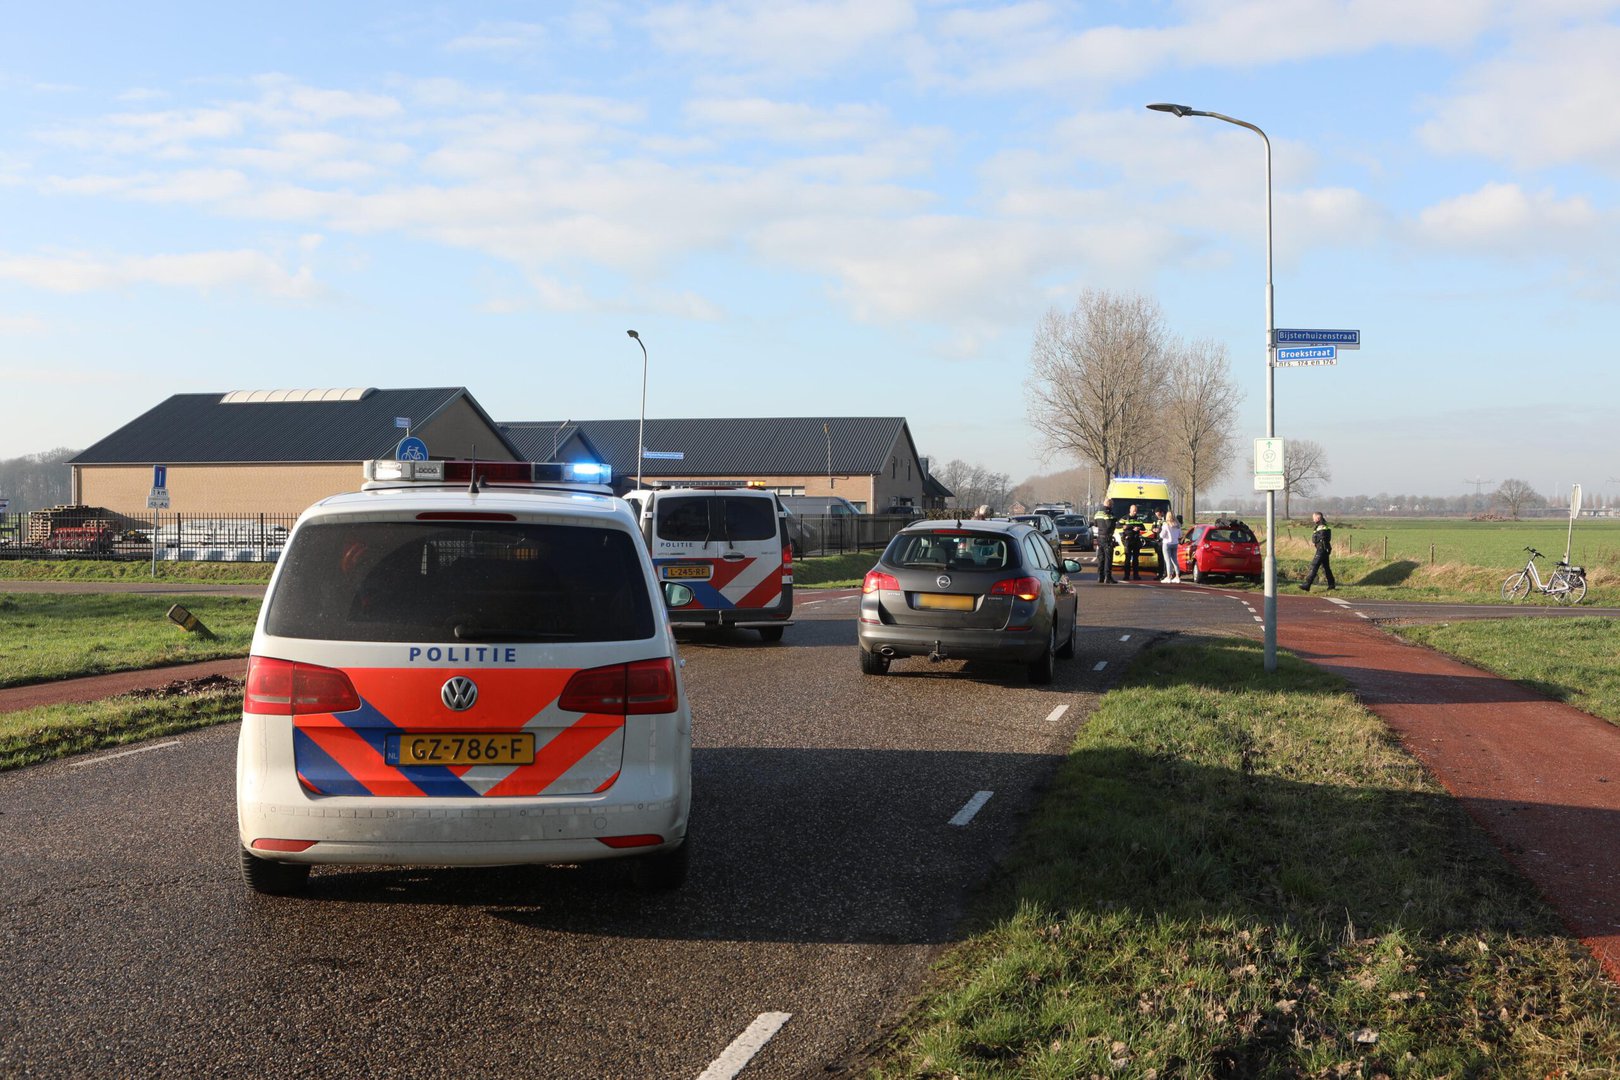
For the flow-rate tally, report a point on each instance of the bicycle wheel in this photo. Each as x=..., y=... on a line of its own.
x=1516, y=587
x=1574, y=591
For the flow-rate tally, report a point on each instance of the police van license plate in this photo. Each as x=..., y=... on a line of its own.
x=688, y=571
x=944, y=602
x=451, y=748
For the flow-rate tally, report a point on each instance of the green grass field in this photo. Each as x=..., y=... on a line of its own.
x=1493, y=544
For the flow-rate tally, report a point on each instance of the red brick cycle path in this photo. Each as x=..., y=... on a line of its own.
x=1542, y=778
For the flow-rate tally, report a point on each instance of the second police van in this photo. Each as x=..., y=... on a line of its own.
x=729, y=545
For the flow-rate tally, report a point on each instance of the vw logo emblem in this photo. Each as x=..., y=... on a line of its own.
x=943, y=581
x=459, y=693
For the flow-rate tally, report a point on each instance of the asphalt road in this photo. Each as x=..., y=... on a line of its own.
x=826, y=877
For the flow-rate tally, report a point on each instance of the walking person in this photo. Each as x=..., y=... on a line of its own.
x=1322, y=538
x=1132, y=526
x=1102, y=535
x=1170, y=537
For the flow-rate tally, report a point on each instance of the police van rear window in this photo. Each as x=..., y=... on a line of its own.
x=474, y=581
x=705, y=518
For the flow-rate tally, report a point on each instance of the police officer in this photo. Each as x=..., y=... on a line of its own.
x=1102, y=532
x=1322, y=539
x=1133, y=526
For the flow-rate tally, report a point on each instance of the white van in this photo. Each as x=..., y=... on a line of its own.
x=729, y=546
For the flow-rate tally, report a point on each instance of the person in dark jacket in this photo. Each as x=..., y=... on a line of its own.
x=1322, y=538
x=1133, y=526
x=1102, y=531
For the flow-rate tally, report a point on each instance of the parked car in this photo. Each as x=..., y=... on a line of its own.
x=1044, y=525
x=970, y=590
x=1074, y=532
x=1225, y=549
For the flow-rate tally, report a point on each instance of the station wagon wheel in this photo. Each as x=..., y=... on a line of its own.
x=1066, y=650
x=1042, y=670
x=273, y=878
x=770, y=633
x=873, y=664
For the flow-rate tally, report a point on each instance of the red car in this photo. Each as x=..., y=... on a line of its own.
x=1228, y=550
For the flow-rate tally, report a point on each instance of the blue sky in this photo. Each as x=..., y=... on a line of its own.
x=839, y=208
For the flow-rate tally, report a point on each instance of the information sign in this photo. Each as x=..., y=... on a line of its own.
x=1268, y=465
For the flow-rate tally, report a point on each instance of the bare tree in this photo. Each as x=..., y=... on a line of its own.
x=1304, y=466
x=1515, y=495
x=1097, y=373
x=974, y=486
x=1200, y=414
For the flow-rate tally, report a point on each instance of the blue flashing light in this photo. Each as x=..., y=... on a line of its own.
x=590, y=472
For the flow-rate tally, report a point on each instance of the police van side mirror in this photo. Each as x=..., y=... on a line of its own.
x=677, y=595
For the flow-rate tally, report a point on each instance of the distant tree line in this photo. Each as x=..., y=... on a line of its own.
x=1516, y=504
x=36, y=481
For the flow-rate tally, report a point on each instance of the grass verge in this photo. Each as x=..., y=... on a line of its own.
x=1572, y=660
x=223, y=573
x=32, y=736
x=1237, y=874
x=834, y=571
x=53, y=636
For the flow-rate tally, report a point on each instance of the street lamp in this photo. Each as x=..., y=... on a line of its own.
x=641, y=428
x=1271, y=402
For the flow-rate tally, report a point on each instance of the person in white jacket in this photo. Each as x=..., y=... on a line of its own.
x=1171, y=537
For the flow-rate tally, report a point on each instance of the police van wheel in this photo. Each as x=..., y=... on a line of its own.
x=273, y=878
x=771, y=633
x=874, y=664
x=665, y=870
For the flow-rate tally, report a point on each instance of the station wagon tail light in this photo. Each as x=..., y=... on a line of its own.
x=637, y=689
x=876, y=580
x=287, y=688
x=1025, y=588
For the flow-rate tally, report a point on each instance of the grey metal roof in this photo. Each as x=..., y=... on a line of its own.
x=747, y=446
x=203, y=428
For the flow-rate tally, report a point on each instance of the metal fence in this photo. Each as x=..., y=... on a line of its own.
x=838, y=534
x=91, y=533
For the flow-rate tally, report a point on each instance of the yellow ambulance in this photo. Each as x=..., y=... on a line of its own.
x=1148, y=494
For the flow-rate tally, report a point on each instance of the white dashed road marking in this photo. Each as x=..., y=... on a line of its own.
x=124, y=753
x=736, y=1057
x=1056, y=714
x=1336, y=600
x=1100, y=665
x=971, y=807
x=1124, y=637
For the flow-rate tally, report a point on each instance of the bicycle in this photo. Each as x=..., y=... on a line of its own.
x=1567, y=585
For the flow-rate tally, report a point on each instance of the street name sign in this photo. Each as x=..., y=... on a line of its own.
x=1344, y=339
x=663, y=455
x=1308, y=356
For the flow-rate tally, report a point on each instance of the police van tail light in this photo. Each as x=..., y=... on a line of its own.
x=787, y=564
x=644, y=687
x=286, y=688
x=1025, y=588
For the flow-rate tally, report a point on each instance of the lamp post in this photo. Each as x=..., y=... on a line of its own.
x=641, y=427
x=1271, y=401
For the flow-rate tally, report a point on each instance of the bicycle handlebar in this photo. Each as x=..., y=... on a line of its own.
x=1536, y=553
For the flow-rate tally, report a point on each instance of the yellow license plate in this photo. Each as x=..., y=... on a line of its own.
x=944, y=602
x=453, y=748
x=696, y=571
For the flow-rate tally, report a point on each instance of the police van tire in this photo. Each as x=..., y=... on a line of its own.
x=273, y=878
x=874, y=664
x=665, y=870
x=771, y=633
x=1041, y=671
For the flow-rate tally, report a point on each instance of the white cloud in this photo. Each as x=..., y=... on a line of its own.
x=779, y=38
x=1505, y=219
x=21, y=325
x=1550, y=102
x=80, y=273
x=499, y=37
x=788, y=121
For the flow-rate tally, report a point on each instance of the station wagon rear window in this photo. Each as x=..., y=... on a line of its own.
x=954, y=550
x=460, y=581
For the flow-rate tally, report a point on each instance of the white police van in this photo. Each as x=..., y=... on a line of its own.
x=464, y=664
x=729, y=545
